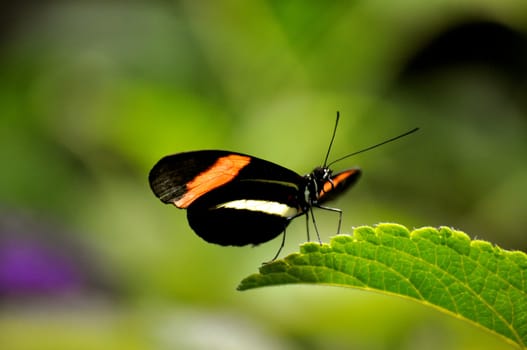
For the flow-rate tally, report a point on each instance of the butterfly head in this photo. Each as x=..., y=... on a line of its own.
x=315, y=183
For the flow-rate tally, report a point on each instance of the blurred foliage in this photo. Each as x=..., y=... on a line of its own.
x=92, y=94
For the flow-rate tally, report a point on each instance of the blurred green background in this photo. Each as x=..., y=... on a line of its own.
x=93, y=93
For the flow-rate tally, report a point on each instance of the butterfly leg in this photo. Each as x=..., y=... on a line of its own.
x=307, y=227
x=337, y=210
x=315, y=224
x=279, y=250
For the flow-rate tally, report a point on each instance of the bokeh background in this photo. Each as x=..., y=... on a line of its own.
x=93, y=93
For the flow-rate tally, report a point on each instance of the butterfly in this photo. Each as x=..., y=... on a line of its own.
x=235, y=199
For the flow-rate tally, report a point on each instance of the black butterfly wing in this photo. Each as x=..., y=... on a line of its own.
x=181, y=178
x=231, y=198
x=244, y=212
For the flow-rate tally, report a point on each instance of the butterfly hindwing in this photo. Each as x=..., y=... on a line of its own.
x=244, y=212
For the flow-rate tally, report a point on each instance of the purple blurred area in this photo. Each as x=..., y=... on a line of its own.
x=30, y=267
x=38, y=260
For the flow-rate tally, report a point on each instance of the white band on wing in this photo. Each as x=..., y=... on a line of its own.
x=267, y=207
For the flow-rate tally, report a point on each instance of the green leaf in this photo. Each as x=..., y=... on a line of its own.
x=471, y=279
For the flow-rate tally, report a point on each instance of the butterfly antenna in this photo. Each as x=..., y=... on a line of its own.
x=332, y=138
x=371, y=147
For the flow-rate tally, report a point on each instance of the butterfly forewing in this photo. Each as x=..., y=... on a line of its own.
x=192, y=174
x=340, y=182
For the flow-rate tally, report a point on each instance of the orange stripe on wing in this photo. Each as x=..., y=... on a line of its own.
x=222, y=171
x=328, y=186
